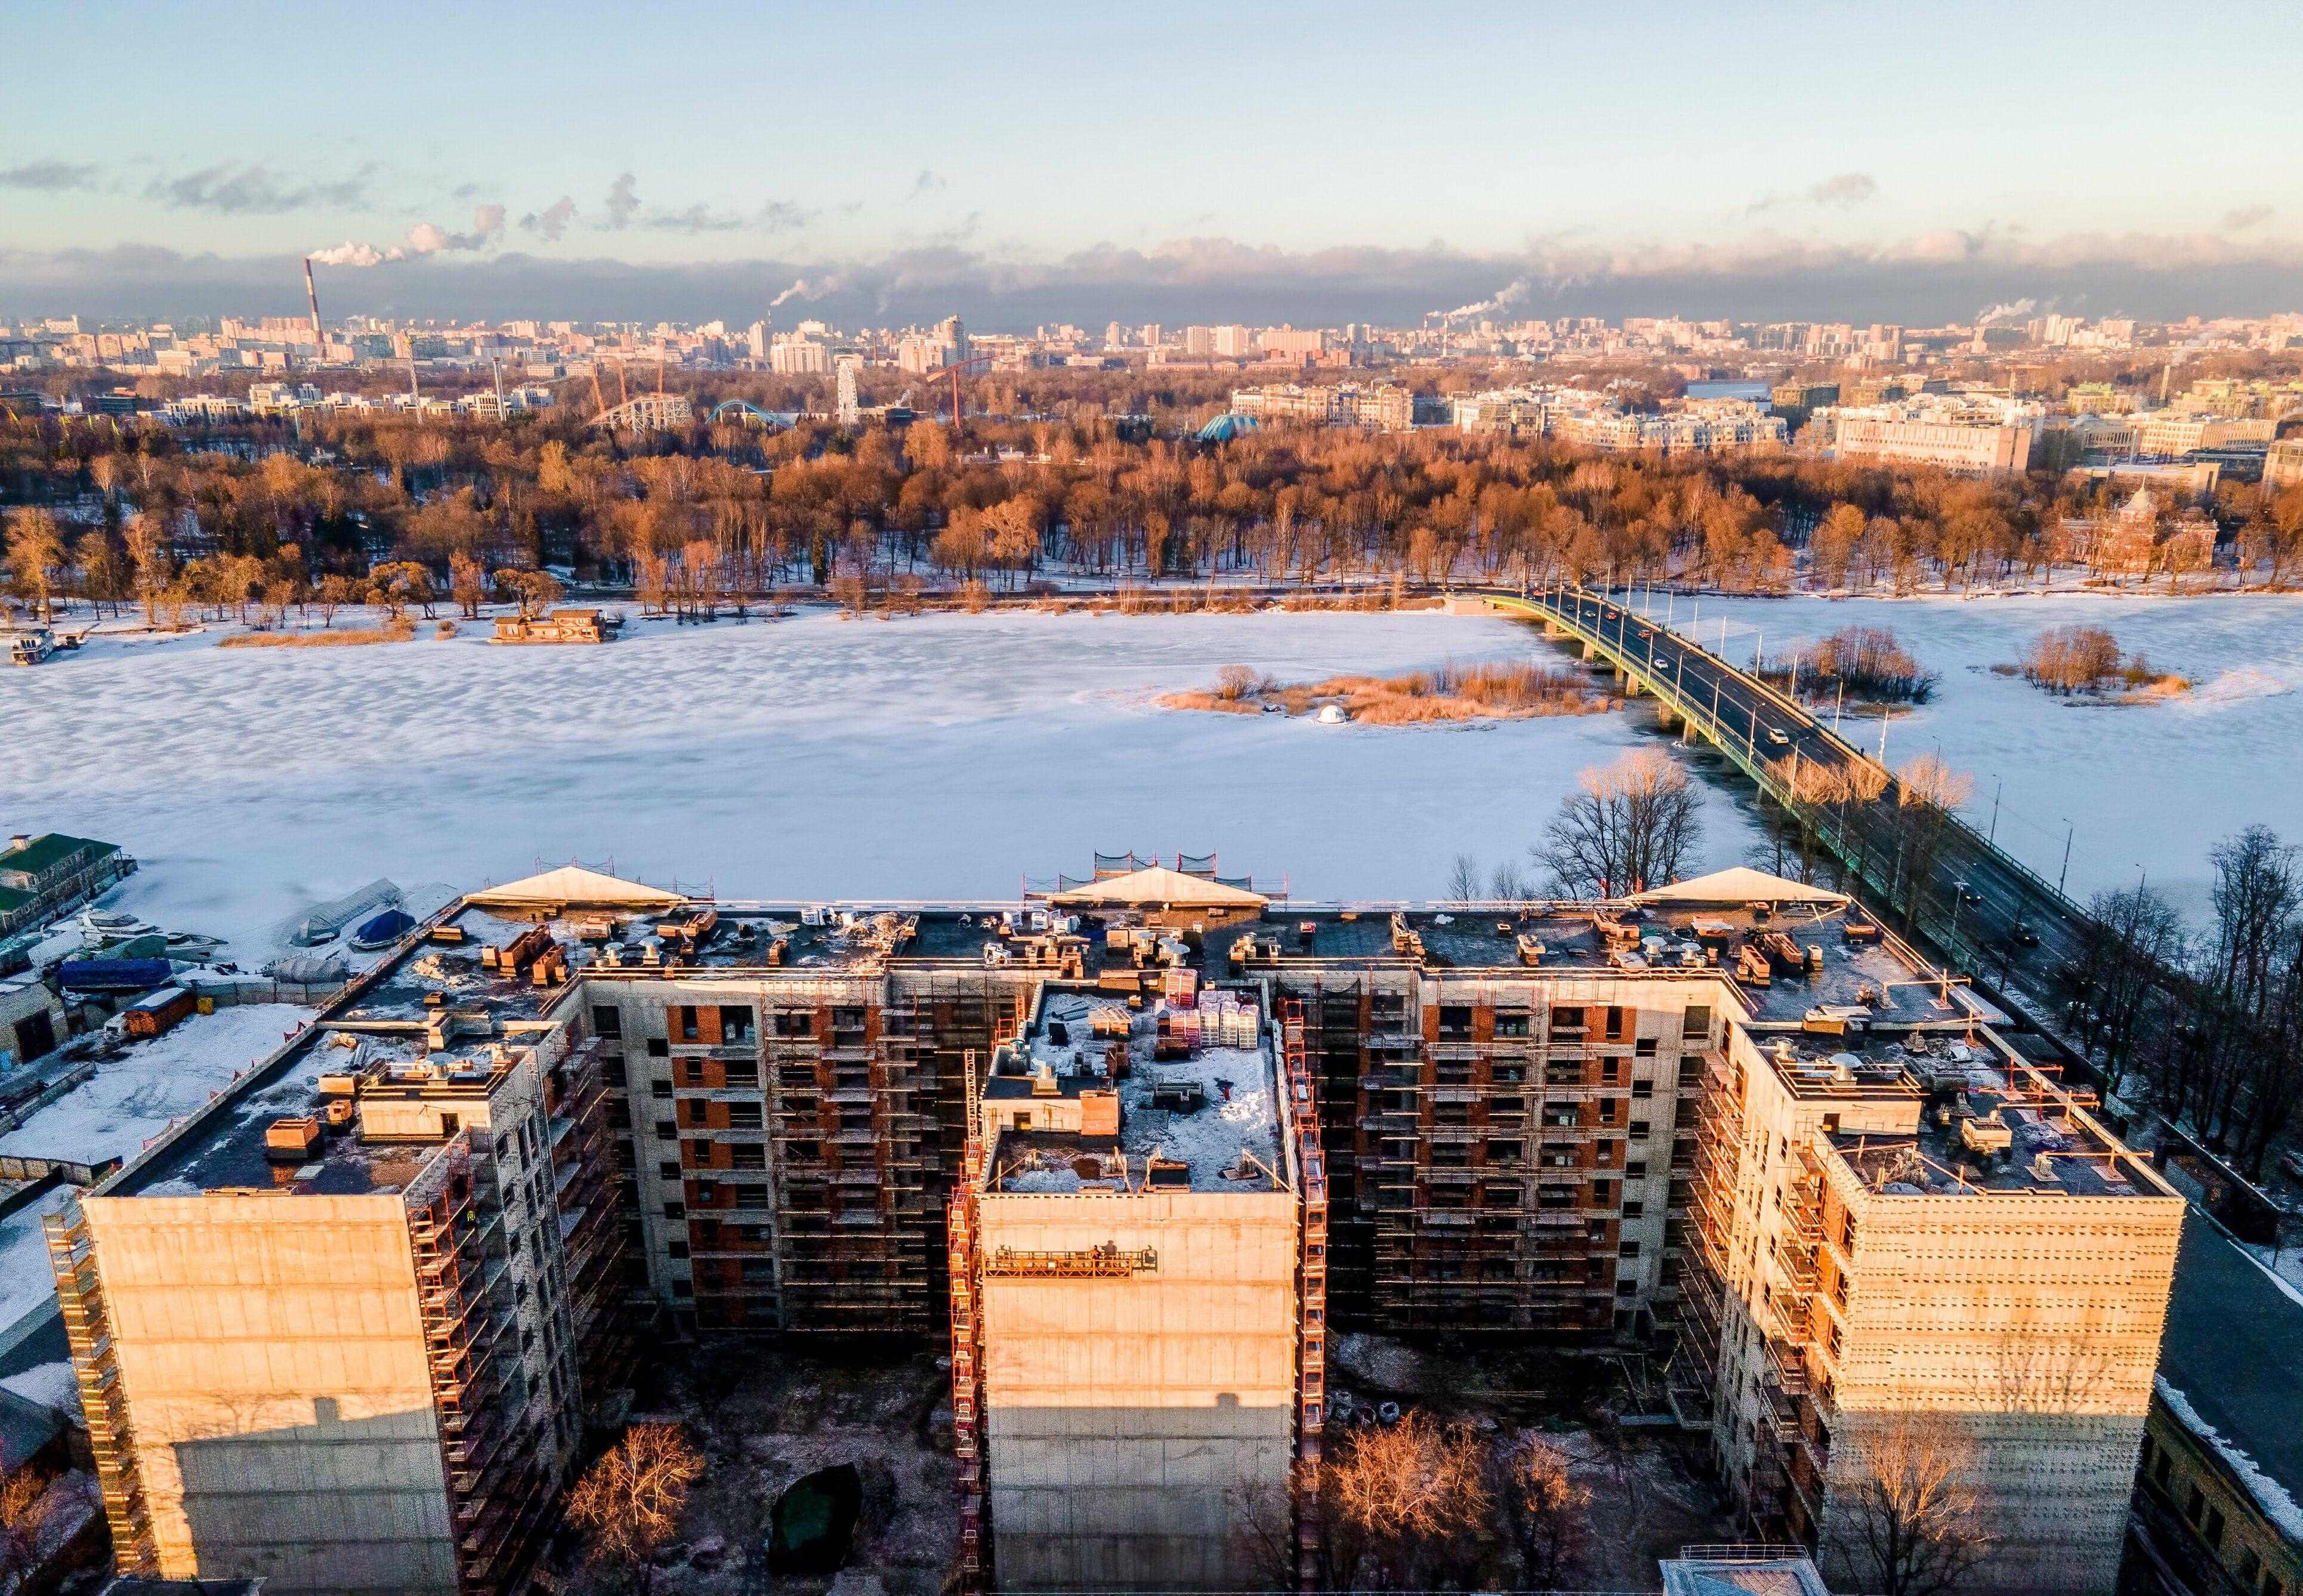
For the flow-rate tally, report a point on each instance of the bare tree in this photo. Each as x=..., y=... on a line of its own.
x=630, y=1501
x=1628, y=826
x=1907, y=1521
x=1464, y=879
x=1546, y=1511
x=26, y=1509
x=1413, y=1498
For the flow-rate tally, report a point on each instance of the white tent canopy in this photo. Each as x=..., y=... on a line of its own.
x=1739, y=883
x=1159, y=887
x=572, y=886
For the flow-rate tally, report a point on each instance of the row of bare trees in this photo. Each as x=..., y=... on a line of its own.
x=2206, y=1025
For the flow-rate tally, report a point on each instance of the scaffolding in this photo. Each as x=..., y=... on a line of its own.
x=1311, y=1283
x=104, y=1402
x=966, y=1294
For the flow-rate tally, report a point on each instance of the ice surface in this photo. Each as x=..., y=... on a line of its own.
x=154, y=1083
x=2150, y=788
x=935, y=757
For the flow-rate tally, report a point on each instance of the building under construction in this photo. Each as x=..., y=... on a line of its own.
x=1131, y=1143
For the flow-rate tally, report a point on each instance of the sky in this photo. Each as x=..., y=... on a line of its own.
x=1178, y=162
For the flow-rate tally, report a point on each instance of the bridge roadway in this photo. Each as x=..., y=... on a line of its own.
x=1985, y=912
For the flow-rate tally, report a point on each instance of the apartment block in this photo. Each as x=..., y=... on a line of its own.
x=1916, y=1255
x=1133, y=1145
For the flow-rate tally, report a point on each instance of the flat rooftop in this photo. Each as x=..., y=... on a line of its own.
x=2234, y=1351
x=231, y=1154
x=1197, y=1089
x=1987, y=1126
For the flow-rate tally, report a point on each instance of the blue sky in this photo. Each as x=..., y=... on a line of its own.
x=1011, y=151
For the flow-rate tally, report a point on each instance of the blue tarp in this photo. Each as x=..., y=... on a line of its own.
x=114, y=974
x=387, y=927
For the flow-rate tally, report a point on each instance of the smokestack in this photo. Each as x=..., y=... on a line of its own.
x=320, y=345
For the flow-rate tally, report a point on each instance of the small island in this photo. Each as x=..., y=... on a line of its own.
x=2087, y=665
x=1500, y=691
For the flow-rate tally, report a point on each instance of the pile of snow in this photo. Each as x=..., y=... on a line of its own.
x=138, y=1096
x=2237, y=687
x=2278, y=1504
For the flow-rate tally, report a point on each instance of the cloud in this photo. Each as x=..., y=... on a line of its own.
x=626, y=212
x=552, y=221
x=2247, y=216
x=781, y=215
x=1841, y=192
x=242, y=187
x=621, y=204
x=695, y=219
x=927, y=182
x=51, y=177
x=1921, y=280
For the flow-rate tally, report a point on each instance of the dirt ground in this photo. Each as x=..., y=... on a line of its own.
x=766, y=1414
x=1649, y=1491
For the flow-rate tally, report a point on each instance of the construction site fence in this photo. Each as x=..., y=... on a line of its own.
x=235, y=990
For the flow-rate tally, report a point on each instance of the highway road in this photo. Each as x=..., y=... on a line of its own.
x=1986, y=914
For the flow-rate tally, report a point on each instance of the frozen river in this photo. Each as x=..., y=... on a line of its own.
x=945, y=756
x=2139, y=791
x=951, y=757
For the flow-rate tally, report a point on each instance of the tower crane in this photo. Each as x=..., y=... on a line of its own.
x=955, y=371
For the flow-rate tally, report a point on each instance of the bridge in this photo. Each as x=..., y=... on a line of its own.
x=1986, y=912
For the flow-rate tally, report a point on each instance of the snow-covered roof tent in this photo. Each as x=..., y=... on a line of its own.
x=572, y=886
x=1739, y=883
x=1160, y=888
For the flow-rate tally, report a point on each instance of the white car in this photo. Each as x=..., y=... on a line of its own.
x=1779, y=737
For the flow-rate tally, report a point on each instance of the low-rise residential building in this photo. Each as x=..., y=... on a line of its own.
x=2283, y=464
x=2219, y=1510
x=45, y=877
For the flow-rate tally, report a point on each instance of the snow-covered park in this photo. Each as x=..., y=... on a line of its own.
x=943, y=757
x=2141, y=790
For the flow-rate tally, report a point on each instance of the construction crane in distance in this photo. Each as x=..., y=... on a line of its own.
x=955, y=371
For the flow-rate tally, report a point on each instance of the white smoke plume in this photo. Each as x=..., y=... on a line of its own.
x=2014, y=310
x=1511, y=293
x=423, y=239
x=799, y=287
x=347, y=253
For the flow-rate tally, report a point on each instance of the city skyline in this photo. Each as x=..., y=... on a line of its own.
x=1042, y=166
